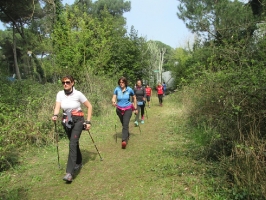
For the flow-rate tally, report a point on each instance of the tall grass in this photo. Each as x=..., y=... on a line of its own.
x=230, y=124
x=26, y=109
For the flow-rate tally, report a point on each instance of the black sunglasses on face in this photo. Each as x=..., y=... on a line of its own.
x=66, y=82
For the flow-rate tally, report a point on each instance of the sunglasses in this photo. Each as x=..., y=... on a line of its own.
x=66, y=82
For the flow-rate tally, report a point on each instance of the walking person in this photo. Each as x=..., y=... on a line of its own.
x=159, y=89
x=73, y=122
x=124, y=107
x=148, y=94
x=140, y=93
x=164, y=88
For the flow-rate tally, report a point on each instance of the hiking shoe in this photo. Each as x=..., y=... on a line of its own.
x=124, y=144
x=142, y=121
x=77, y=167
x=136, y=123
x=68, y=177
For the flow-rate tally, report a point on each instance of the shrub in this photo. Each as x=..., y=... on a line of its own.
x=26, y=108
x=230, y=110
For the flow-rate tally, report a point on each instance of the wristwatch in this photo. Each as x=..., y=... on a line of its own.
x=88, y=122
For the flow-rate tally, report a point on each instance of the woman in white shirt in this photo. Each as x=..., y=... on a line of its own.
x=73, y=122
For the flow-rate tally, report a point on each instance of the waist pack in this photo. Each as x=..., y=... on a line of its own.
x=67, y=117
x=67, y=120
x=77, y=113
x=140, y=103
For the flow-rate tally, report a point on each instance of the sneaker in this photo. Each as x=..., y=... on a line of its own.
x=77, y=167
x=142, y=121
x=124, y=144
x=136, y=123
x=68, y=177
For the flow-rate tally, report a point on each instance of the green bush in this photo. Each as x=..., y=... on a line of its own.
x=229, y=110
x=26, y=108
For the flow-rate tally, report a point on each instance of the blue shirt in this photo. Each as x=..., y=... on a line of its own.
x=164, y=87
x=123, y=98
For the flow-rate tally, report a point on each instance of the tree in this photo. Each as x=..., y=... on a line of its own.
x=19, y=15
x=115, y=7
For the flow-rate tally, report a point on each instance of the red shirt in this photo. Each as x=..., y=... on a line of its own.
x=159, y=89
x=148, y=91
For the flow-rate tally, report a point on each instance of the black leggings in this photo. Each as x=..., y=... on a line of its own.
x=73, y=134
x=160, y=97
x=124, y=117
x=140, y=110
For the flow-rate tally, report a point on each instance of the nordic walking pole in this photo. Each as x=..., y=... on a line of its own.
x=146, y=112
x=95, y=146
x=56, y=138
x=139, y=127
x=115, y=134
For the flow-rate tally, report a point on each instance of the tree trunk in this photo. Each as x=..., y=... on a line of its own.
x=162, y=52
x=14, y=47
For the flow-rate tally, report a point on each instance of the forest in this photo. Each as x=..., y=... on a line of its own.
x=220, y=78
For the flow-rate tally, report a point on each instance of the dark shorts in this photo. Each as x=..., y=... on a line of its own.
x=148, y=98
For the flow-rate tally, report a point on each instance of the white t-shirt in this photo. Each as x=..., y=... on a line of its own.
x=72, y=101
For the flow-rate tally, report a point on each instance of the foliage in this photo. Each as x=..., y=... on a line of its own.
x=115, y=7
x=168, y=54
x=180, y=67
x=26, y=119
x=17, y=116
x=225, y=73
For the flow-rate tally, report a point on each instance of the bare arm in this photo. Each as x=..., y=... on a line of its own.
x=89, y=106
x=56, y=111
x=135, y=101
x=135, y=104
x=114, y=100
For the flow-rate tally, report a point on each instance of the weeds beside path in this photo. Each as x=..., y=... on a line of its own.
x=157, y=164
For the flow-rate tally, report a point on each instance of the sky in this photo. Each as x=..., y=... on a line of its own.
x=155, y=20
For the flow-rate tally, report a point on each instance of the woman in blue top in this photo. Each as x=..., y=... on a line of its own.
x=124, y=107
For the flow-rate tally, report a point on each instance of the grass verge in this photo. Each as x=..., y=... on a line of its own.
x=159, y=163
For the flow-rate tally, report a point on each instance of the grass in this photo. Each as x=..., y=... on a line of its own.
x=160, y=163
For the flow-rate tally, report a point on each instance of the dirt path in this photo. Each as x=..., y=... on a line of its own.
x=153, y=166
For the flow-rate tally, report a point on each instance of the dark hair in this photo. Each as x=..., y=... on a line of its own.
x=122, y=79
x=139, y=80
x=68, y=77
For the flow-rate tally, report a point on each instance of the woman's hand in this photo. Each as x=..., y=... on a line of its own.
x=88, y=126
x=114, y=103
x=135, y=112
x=54, y=118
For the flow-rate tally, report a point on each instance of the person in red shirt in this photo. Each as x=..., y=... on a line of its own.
x=148, y=94
x=159, y=89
